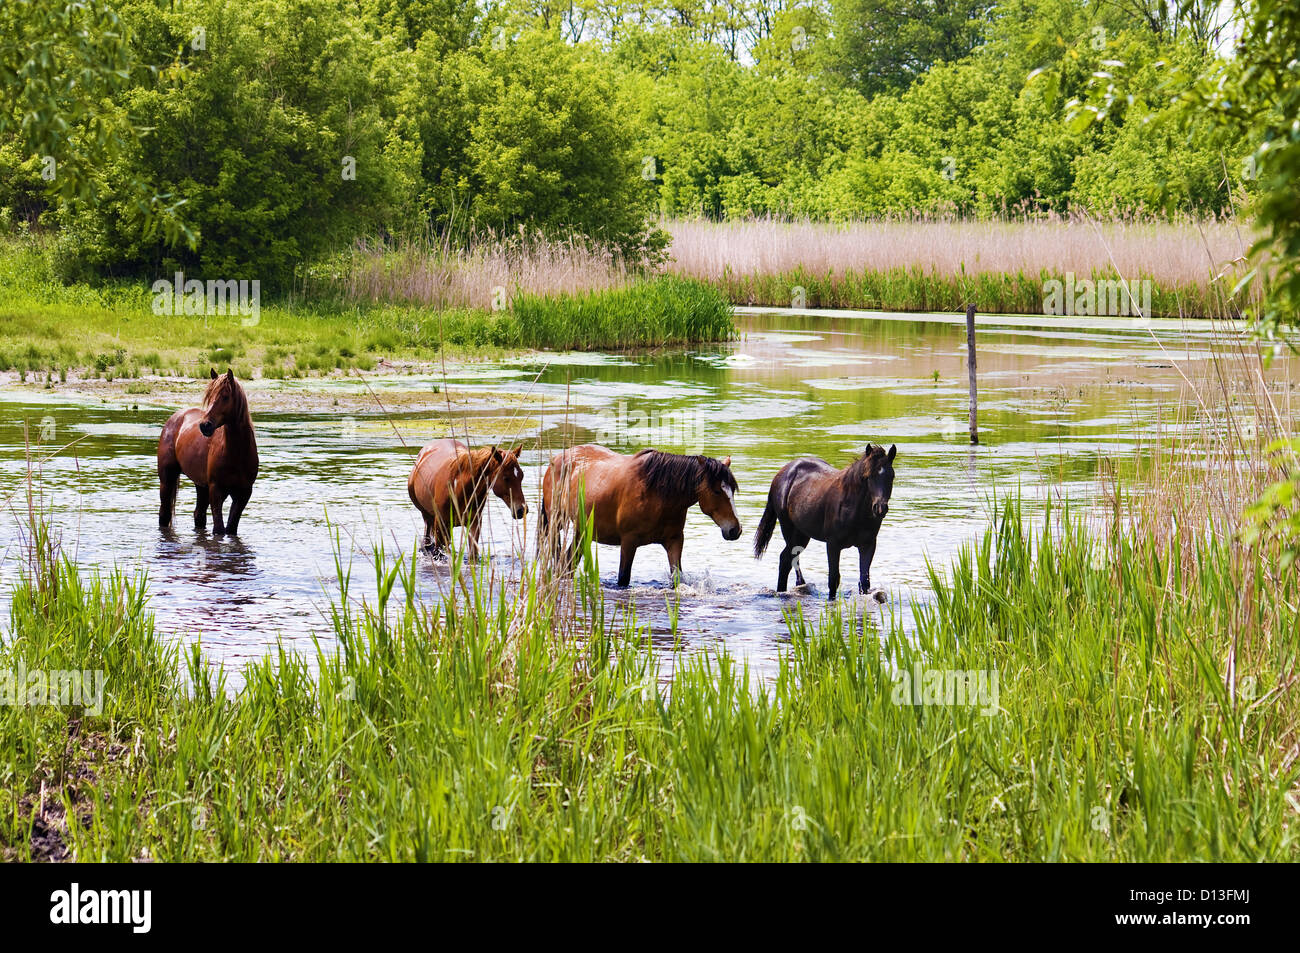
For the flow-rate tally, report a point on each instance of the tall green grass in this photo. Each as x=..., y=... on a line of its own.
x=653, y=312
x=919, y=290
x=499, y=725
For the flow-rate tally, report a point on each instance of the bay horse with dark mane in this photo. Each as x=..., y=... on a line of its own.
x=449, y=485
x=215, y=447
x=638, y=500
x=843, y=508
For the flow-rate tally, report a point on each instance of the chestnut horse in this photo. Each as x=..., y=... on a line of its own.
x=813, y=500
x=449, y=486
x=638, y=500
x=215, y=447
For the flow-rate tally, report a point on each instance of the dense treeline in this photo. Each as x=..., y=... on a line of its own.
x=273, y=130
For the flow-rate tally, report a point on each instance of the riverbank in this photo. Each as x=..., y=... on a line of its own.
x=1063, y=699
x=51, y=332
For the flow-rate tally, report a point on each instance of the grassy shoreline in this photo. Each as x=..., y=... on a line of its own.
x=51, y=330
x=469, y=729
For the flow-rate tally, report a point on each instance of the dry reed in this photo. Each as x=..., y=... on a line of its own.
x=480, y=275
x=1172, y=254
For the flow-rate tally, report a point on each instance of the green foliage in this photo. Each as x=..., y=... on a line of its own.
x=1274, y=519
x=980, y=135
x=530, y=134
x=885, y=45
x=59, y=65
x=259, y=130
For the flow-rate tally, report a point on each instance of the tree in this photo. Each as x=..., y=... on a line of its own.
x=59, y=63
x=267, y=125
x=883, y=45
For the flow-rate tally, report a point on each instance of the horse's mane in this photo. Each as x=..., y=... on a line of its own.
x=239, y=400
x=859, y=468
x=676, y=473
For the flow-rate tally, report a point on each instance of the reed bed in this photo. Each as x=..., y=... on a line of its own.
x=477, y=275
x=940, y=265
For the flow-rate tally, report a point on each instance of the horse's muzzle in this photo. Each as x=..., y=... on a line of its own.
x=520, y=511
x=732, y=533
x=880, y=509
x=206, y=429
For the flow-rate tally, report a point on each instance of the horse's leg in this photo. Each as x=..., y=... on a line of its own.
x=795, y=543
x=441, y=536
x=471, y=535
x=627, y=554
x=833, y=557
x=169, y=479
x=783, y=569
x=673, y=547
x=866, y=552
x=238, y=500
x=201, y=507
x=217, y=496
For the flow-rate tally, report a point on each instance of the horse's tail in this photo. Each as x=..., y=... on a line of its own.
x=763, y=535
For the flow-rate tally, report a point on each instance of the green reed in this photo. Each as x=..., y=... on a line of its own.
x=916, y=289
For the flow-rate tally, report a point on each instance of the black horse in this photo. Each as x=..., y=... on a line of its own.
x=813, y=500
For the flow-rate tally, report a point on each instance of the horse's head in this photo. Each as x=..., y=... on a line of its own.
x=508, y=479
x=878, y=478
x=223, y=403
x=717, y=492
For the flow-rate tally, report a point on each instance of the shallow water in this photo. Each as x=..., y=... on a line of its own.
x=1051, y=402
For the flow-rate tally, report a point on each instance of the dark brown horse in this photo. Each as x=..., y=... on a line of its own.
x=449, y=486
x=215, y=447
x=638, y=500
x=813, y=500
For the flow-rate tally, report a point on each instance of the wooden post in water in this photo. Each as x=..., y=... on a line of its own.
x=970, y=367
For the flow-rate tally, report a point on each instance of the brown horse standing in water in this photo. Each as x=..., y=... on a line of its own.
x=813, y=500
x=449, y=486
x=215, y=447
x=638, y=500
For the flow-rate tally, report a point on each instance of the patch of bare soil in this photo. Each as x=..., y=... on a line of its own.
x=63, y=798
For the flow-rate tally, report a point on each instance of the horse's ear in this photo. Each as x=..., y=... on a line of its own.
x=213, y=371
x=518, y=450
x=868, y=450
x=230, y=372
x=893, y=449
x=726, y=461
